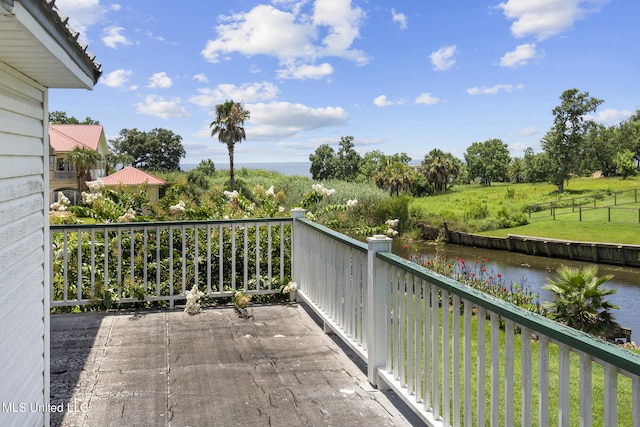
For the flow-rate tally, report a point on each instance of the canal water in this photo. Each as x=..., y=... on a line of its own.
x=533, y=271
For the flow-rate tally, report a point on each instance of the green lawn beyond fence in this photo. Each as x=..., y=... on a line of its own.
x=619, y=207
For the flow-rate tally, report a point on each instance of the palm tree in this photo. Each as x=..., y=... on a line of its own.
x=82, y=160
x=394, y=177
x=580, y=302
x=438, y=167
x=230, y=118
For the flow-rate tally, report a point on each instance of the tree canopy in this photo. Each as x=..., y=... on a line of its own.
x=157, y=150
x=565, y=141
x=60, y=118
x=488, y=161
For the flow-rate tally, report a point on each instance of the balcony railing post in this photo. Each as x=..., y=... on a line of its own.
x=296, y=245
x=377, y=301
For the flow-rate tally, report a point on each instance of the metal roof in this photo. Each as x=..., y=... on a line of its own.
x=64, y=138
x=37, y=41
x=132, y=176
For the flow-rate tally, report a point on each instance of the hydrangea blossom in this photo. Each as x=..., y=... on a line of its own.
x=95, y=186
x=89, y=198
x=323, y=190
x=178, y=207
x=352, y=203
x=231, y=195
x=62, y=204
x=271, y=192
x=392, y=223
x=193, y=298
x=291, y=287
x=128, y=216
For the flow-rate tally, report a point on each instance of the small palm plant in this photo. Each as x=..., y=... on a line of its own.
x=580, y=301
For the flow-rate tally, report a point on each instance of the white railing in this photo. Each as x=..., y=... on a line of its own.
x=135, y=262
x=456, y=355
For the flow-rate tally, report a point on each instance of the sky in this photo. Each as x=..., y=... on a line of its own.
x=399, y=76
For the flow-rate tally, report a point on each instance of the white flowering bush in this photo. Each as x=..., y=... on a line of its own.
x=128, y=216
x=320, y=188
x=352, y=203
x=289, y=287
x=270, y=192
x=95, y=186
x=193, y=300
x=90, y=198
x=231, y=195
x=267, y=202
x=62, y=204
x=392, y=224
x=95, y=192
x=177, y=209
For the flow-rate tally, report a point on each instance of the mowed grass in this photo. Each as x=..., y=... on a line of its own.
x=624, y=386
x=477, y=209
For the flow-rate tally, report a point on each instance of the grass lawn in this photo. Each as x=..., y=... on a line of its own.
x=582, y=231
x=624, y=391
x=482, y=210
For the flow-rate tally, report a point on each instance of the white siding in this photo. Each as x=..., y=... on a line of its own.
x=24, y=312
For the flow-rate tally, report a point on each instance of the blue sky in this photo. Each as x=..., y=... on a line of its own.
x=398, y=76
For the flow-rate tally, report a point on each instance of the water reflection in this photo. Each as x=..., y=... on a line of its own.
x=534, y=271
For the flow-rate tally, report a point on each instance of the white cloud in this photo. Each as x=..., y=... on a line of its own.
x=305, y=72
x=519, y=56
x=298, y=145
x=282, y=119
x=154, y=105
x=264, y=30
x=442, y=59
x=528, y=131
x=610, y=116
x=291, y=36
x=400, y=18
x=343, y=27
x=427, y=98
x=249, y=92
x=546, y=18
x=201, y=78
x=112, y=37
x=493, y=90
x=382, y=101
x=117, y=78
x=82, y=13
x=160, y=80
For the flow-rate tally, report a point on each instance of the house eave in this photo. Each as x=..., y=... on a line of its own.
x=43, y=47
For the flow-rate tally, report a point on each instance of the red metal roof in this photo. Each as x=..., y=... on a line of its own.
x=64, y=138
x=132, y=176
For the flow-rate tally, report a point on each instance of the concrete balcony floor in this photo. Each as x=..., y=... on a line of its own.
x=167, y=368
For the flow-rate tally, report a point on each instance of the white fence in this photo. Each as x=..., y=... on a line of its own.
x=454, y=354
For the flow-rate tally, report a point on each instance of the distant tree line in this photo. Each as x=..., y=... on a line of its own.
x=574, y=146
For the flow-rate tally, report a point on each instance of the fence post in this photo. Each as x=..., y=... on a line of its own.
x=377, y=302
x=296, y=246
